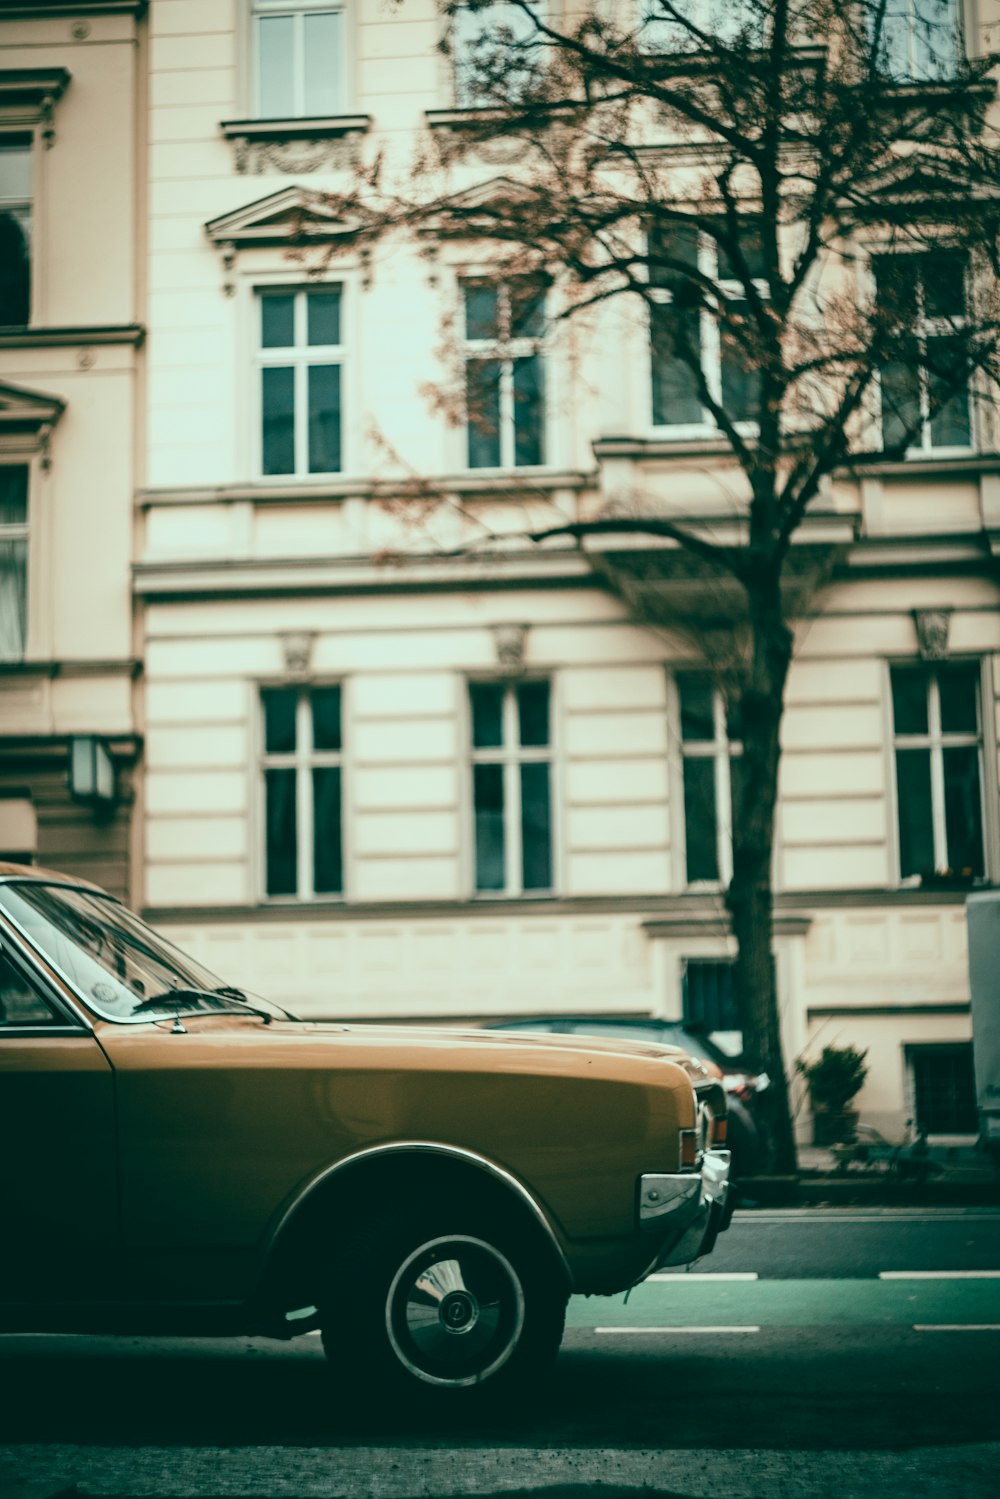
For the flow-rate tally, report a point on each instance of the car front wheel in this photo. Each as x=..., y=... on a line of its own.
x=446, y=1305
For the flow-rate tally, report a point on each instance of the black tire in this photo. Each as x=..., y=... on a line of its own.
x=441, y=1303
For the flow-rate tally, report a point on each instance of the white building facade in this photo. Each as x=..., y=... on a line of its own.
x=381, y=780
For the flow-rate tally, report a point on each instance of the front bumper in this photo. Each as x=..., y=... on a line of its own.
x=686, y=1211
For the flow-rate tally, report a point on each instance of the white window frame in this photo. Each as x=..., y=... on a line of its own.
x=935, y=741
x=511, y=755
x=903, y=55
x=924, y=329
x=304, y=759
x=14, y=532
x=721, y=750
x=505, y=351
x=300, y=355
x=710, y=341
x=298, y=9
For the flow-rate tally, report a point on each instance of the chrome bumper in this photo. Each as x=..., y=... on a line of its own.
x=685, y=1210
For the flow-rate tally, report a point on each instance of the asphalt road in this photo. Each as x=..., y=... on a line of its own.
x=815, y=1353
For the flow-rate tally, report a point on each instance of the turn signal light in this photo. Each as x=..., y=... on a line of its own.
x=719, y=1132
x=689, y=1149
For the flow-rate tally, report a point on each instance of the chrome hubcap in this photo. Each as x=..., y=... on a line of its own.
x=455, y=1311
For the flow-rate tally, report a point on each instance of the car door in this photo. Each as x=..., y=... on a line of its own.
x=58, y=1188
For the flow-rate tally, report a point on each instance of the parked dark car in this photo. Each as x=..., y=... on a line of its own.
x=746, y=1137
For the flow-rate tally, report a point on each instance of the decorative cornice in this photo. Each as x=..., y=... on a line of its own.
x=847, y=1011
x=31, y=87
x=296, y=147
x=26, y=420
x=28, y=96
x=60, y=338
x=964, y=466
x=310, y=575
x=291, y=214
x=124, y=748
x=717, y=923
x=458, y=117
x=865, y=466
x=313, y=128
x=638, y=448
x=682, y=916
x=32, y=9
x=50, y=670
x=516, y=484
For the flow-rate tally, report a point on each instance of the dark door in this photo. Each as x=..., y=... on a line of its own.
x=59, y=1219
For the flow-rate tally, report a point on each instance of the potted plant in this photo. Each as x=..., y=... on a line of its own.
x=833, y=1079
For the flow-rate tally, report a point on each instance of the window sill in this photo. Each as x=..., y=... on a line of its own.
x=295, y=903
x=682, y=60
x=511, y=897
x=472, y=117
x=684, y=442
x=317, y=127
x=57, y=338
x=933, y=463
x=966, y=87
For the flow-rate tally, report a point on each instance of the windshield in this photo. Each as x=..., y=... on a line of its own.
x=120, y=966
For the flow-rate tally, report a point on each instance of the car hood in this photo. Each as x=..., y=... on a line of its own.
x=315, y=1042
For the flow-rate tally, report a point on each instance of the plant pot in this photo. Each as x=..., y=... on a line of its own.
x=835, y=1126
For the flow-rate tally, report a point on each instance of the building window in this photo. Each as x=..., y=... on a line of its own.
x=925, y=386
x=920, y=40
x=15, y=231
x=496, y=52
x=300, y=362
x=944, y=1089
x=512, y=786
x=302, y=768
x=299, y=53
x=504, y=373
x=686, y=334
x=709, y=761
x=725, y=21
x=13, y=561
x=710, y=1005
x=938, y=743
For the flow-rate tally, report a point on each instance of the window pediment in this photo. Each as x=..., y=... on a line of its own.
x=27, y=412
x=478, y=209
x=292, y=214
x=29, y=95
x=919, y=182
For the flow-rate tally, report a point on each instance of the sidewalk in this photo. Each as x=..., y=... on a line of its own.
x=964, y=1177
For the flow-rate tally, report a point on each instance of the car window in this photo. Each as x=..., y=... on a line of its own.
x=121, y=967
x=624, y=1031
x=20, y=1004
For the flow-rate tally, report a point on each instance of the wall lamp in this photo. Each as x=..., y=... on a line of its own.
x=91, y=771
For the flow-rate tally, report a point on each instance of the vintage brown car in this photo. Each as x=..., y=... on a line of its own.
x=180, y=1156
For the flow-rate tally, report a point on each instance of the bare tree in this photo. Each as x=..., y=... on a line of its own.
x=810, y=186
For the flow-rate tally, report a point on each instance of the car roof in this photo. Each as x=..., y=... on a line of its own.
x=11, y=871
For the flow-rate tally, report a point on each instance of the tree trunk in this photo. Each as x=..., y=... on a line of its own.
x=750, y=897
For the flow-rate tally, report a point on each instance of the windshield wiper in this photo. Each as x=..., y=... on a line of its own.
x=229, y=991
x=181, y=996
